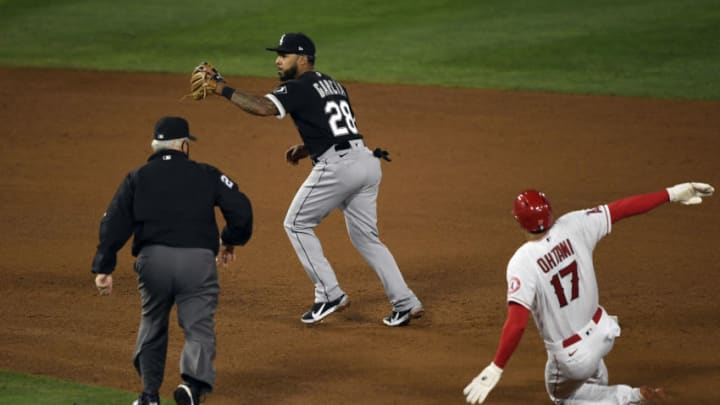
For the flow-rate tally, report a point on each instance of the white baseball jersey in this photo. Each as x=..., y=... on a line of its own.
x=554, y=277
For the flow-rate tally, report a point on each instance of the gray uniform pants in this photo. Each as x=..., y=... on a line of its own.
x=186, y=277
x=347, y=179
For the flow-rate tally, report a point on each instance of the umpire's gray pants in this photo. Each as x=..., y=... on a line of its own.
x=187, y=277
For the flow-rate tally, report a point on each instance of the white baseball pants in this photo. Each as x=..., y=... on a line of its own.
x=347, y=179
x=577, y=375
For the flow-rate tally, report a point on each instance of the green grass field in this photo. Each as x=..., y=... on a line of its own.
x=657, y=48
x=22, y=389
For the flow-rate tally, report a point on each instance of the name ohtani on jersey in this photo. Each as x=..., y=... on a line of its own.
x=555, y=256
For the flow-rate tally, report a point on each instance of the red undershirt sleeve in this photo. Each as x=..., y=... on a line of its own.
x=637, y=204
x=512, y=333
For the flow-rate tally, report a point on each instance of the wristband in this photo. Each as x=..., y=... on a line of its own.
x=227, y=92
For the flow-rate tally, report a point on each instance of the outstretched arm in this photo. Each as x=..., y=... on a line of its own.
x=635, y=205
x=686, y=193
x=256, y=105
x=512, y=333
x=480, y=386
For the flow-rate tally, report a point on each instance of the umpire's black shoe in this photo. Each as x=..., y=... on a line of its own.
x=320, y=310
x=147, y=399
x=185, y=395
x=402, y=318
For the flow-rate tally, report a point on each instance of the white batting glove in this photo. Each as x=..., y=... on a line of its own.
x=690, y=193
x=480, y=386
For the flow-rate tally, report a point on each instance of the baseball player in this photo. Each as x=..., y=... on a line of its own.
x=345, y=175
x=169, y=204
x=552, y=275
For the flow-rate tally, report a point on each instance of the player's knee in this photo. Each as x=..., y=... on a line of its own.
x=365, y=239
x=289, y=229
x=294, y=226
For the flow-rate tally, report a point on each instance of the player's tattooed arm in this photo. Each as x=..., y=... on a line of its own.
x=254, y=104
x=250, y=103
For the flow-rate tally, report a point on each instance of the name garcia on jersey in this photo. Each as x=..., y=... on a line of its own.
x=327, y=87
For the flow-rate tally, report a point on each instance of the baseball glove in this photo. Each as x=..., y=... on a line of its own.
x=204, y=80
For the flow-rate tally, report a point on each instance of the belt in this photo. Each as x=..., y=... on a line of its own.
x=344, y=145
x=576, y=338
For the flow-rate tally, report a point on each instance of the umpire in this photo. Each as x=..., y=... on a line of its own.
x=169, y=204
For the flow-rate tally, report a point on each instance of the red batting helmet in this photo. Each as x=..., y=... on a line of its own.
x=533, y=211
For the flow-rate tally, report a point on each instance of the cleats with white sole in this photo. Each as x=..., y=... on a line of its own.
x=320, y=310
x=402, y=318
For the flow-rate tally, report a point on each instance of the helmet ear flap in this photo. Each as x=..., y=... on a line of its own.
x=533, y=211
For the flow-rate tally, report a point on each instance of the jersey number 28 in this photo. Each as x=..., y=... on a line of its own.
x=342, y=120
x=572, y=271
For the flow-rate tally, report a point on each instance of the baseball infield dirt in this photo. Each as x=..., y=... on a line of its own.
x=459, y=158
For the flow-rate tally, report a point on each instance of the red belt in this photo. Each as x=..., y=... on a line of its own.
x=576, y=338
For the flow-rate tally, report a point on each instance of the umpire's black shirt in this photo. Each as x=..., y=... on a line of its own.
x=171, y=201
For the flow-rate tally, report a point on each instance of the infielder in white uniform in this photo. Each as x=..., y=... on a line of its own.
x=345, y=175
x=552, y=275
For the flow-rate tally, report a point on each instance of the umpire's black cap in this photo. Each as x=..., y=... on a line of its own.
x=172, y=128
x=295, y=42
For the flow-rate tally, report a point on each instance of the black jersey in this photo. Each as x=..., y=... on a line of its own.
x=321, y=109
x=171, y=201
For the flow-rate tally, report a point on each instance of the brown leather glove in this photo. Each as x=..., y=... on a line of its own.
x=203, y=81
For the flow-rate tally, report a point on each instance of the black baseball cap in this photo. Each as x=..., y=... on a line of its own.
x=168, y=128
x=295, y=42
